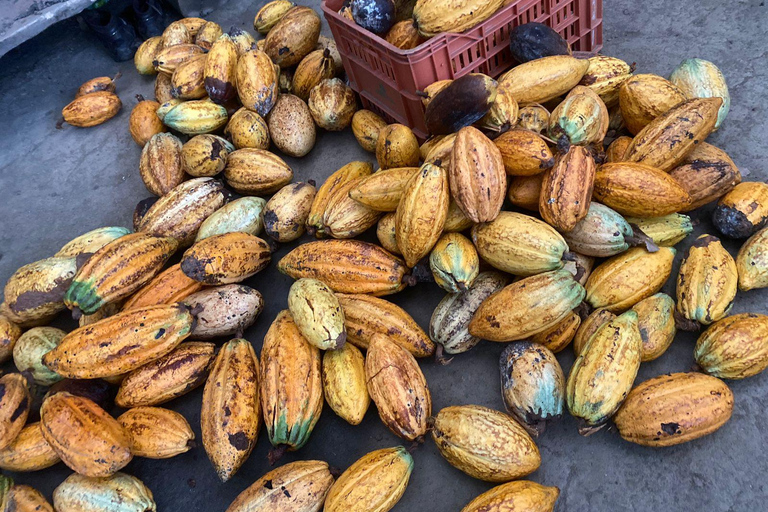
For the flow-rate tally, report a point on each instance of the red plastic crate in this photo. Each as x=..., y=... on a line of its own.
x=387, y=77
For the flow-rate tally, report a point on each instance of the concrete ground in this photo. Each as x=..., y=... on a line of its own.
x=56, y=184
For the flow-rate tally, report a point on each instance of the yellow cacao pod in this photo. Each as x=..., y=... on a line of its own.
x=188, y=79
x=734, y=347
x=503, y=112
x=524, y=191
x=605, y=76
x=34, y=294
x=220, y=73
x=557, y=337
x=524, y=152
x=344, y=383
x=581, y=118
x=617, y=148
x=743, y=210
x=256, y=172
x=366, y=126
x=208, y=34
x=270, y=14
x=433, y=17
x=533, y=117
x=256, y=79
x=146, y=54
x=176, y=33
x=225, y=259
x=286, y=212
x=351, y=171
x=91, y=241
x=196, y=116
x=15, y=403
x=344, y=217
x=205, y=155
x=170, y=286
x=28, y=452
x=656, y=322
x=397, y=146
x=144, y=123
x=589, y=326
x=23, y=498
x=247, y=129
x=9, y=334
x=83, y=494
x=92, y=109
x=293, y=36
x=645, y=97
x=317, y=314
x=160, y=163
x=163, y=91
x=170, y=57
x=382, y=190
x=404, y=35
x=477, y=177
x=667, y=231
x=156, y=433
x=30, y=349
x=313, y=69
x=519, y=496
x=699, y=78
x=386, y=233
x=245, y=215
x=751, y=263
x=541, y=80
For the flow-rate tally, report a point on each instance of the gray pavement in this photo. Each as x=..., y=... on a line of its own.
x=56, y=184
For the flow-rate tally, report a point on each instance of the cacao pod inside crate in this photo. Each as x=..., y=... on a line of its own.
x=387, y=77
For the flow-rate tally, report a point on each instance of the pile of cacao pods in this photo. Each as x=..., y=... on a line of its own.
x=583, y=265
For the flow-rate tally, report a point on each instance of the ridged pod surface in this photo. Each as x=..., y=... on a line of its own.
x=532, y=116
x=616, y=149
x=484, y=443
x=385, y=233
x=351, y=171
x=170, y=286
x=519, y=496
x=566, y=189
x=257, y=81
x=145, y=55
x=666, y=231
x=169, y=58
x=605, y=76
x=347, y=266
x=270, y=14
x=120, y=343
x=224, y=310
x=645, y=97
x=291, y=384
x=34, y=293
x=706, y=173
x=85, y=436
x=503, y=112
x=581, y=118
x=743, y=210
x=23, y=498
x=624, y=280
x=208, y=34
x=699, y=78
x=524, y=152
x=456, y=220
x=317, y=314
x=656, y=322
x=167, y=377
x=673, y=409
x=15, y=402
x=344, y=383
x=332, y=103
x=286, y=212
x=541, y=302
x=313, y=69
x=187, y=79
x=519, y=244
x=601, y=233
x=196, y=116
x=557, y=337
x=751, y=263
x=589, y=326
x=382, y=190
x=398, y=387
x=603, y=373
x=366, y=126
x=91, y=241
x=366, y=316
x=245, y=215
x=434, y=16
x=293, y=36
x=375, y=482
x=247, y=129
x=29, y=451
x=397, y=146
x=252, y=171
x=117, y=270
x=734, y=347
x=205, y=155
x=225, y=259
x=231, y=411
x=541, y=80
x=454, y=262
x=524, y=191
x=124, y=493
x=156, y=433
x=344, y=217
x=92, y=109
x=707, y=281
x=300, y=486
x=30, y=349
x=144, y=123
x=532, y=385
x=220, y=70
x=404, y=35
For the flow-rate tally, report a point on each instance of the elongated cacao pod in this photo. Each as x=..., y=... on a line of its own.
x=15, y=402
x=477, y=177
x=28, y=452
x=225, y=259
x=344, y=383
x=567, y=189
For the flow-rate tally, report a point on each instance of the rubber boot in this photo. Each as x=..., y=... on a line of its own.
x=117, y=35
x=151, y=17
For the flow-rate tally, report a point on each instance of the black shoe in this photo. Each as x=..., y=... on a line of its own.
x=151, y=17
x=117, y=35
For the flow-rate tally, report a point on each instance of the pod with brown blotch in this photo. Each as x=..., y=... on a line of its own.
x=120, y=343
x=433, y=17
x=34, y=293
x=667, y=231
x=707, y=173
x=706, y=283
x=668, y=139
x=343, y=216
x=566, y=189
x=742, y=211
x=404, y=35
x=220, y=73
x=398, y=387
x=317, y=314
x=461, y=103
x=524, y=191
x=616, y=149
x=160, y=163
x=256, y=78
x=454, y=262
x=30, y=349
x=589, y=326
x=251, y=171
x=351, y=171
x=734, y=347
x=673, y=409
x=146, y=55
x=542, y=301
x=385, y=233
x=626, y=187
x=532, y=385
x=751, y=263
x=376, y=481
x=23, y=498
x=519, y=244
x=366, y=316
x=15, y=403
x=196, y=116
x=624, y=280
x=397, y=146
x=656, y=322
x=332, y=104
x=603, y=373
x=92, y=109
x=144, y=123
x=603, y=233
x=484, y=443
x=170, y=57
x=188, y=78
x=224, y=310
x=291, y=386
x=226, y=259
x=699, y=78
x=84, y=436
x=518, y=496
x=180, y=212
x=347, y=266
x=477, y=178
x=291, y=126
x=231, y=410
x=91, y=241
x=313, y=69
x=247, y=129
x=9, y=335
x=285, y=214
x=533, y=117
x=503, y=113
x=382, y=190
x=168, y=287
x=299, y=486
x=156, y=433
x=581, y=118
x=168, y=377
x=245, y=215
x=243, y=40
x=421, y=214
x=544, y=79
x=293, y=36
x=205, y=155
x=270, y=14
x=117, y=270
x=557, y=337
x=366, y=126
x=344, y=383
x=580, y=266
x=83, y=494
x=449, y=324
x=524, y=152
x=605, y=76
x=644, y=97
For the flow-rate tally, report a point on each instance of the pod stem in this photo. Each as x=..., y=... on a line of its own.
x=117, y=75
x=440, y=356
x=76, y=313
x=587, y=430
x=421, y=94
x=686, y=324
x=640, y=238
x=276, y=453
x=140, y=98
x=60, y=123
